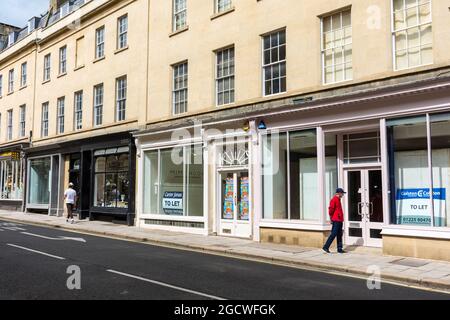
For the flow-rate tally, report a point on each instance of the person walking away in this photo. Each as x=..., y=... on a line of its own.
x=70, y=197
x=337, y=220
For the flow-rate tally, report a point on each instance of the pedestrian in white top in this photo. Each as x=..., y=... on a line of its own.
x=70, y=196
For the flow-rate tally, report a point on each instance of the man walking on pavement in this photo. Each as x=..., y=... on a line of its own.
x=337, y=220
x=70, y=196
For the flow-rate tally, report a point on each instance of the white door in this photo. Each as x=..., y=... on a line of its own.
x=363, y=207
x=234, y=204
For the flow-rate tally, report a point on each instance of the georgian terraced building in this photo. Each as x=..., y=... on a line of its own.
x=73, y=90
x=240, y=118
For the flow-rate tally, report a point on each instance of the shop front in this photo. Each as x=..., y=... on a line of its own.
x=102, y=170
x=270, y=175
x=12, y=166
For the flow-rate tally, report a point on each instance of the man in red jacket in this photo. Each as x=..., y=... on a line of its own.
x=337, y=220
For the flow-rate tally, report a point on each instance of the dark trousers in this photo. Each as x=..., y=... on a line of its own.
x=336, y=232
x=69, y=210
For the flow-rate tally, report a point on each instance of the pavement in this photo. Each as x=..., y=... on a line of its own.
x=357, y=262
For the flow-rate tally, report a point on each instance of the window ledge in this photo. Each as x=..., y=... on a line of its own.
x=62, y=75
x=23, y=87
x=99, y=59
x=220, y=14
x=46, y=81
x=121, y=50
x=9, y=93
x=179, y=31
x=416, y=231
x=79, y=67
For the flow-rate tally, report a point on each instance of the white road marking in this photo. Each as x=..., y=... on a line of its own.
x=48, y=238
x=14, y=228
x=35, y=251
x=2, y=230
x=166, y=285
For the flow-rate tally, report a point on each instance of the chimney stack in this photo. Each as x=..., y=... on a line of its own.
x=56, y=4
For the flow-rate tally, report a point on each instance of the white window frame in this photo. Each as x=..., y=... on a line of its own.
x=100, y=43
x=47, y=67
x=78, y=111
x=98, y=104
x=179, y=15
x=44, y=120
x=11, y=81
x=343, y=45
x=9, y=128
x=230, y=76
x=23, y=74
x=63, y=60
x=184, y=66
x=60, y=117
x=1, y=85
x=122, y=32
x=22, y=120
x=405, y=29
x=223, y=5
x=121, y=98
x=271, y=64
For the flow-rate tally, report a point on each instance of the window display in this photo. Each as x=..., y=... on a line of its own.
x=112, y=179
x=11, y=183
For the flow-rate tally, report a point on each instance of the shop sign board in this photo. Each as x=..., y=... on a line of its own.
x=173, y=203
x=413, y=206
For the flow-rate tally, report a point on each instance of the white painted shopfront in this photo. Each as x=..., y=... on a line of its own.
x=388, y=151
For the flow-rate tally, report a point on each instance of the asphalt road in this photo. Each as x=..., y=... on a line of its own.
x=34, y=264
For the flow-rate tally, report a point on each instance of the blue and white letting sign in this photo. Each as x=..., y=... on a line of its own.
x=173, y=203
x=413, y=206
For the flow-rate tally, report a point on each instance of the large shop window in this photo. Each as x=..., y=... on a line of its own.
x=39, y=192
x=112, y=178
x=11, y=183
x=331, y=168
x=410, y=170
x=173, y=183
x=290, y=178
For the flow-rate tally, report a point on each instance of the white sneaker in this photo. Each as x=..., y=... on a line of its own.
x=73, y=221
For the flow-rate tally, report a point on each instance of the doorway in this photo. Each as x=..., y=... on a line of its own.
x=234, y=203
x=364, y=207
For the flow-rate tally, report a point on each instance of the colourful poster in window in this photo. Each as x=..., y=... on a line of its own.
x=244, y=209
x=228, y=199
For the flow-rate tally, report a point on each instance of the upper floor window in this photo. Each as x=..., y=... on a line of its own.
x=63, y=60
x=274, y=63
x=179, y=14
x=337, y=47
x=22, y=121
x=47, y=66
x=122, y=32
x=98, y=105
x=121, y=98
x=100, y=43
x=180, y=88
x=412, y=33
x=78, y=111
x=1, y=85
x=10, y=125
x=44, y=120
x=223, y=5
x=23, y=75
x=60, y=127
x=225, y=76
x=11, y=81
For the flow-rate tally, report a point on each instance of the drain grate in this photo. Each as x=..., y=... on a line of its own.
x=410, y=262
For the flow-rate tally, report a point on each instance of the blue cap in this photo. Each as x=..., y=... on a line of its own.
x=340, y=190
